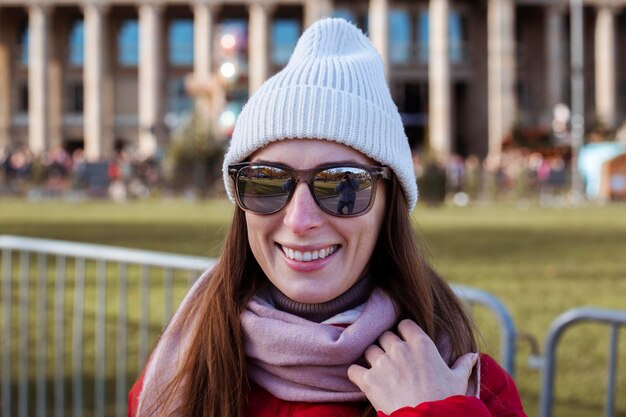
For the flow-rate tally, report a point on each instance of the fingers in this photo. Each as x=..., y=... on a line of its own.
x=464, y=364
x=373, y=353
x=415, y=336
x=407, y=369
x=355, y=374
x=409, y=330
x=387, y=340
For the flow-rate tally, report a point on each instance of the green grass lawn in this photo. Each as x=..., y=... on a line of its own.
x=539, y=262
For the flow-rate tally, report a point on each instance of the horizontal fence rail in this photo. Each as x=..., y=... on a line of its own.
x=61, y=291
x=614, y=319
x=94, y=303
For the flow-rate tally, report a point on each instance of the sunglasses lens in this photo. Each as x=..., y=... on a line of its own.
x=263, y=189
x=344, y=191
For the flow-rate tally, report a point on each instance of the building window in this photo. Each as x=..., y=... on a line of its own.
x=128, y=44
x=285, y=33
x=178, y=102
x=457, y=37
x=345, y=14
x=423, y=35
x=75, y=97
x=23, y=45
x=399, y=37
x=360, y=20
x=77, y=44
x=181, y=42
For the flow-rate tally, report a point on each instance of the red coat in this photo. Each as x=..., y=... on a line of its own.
x=498, y=398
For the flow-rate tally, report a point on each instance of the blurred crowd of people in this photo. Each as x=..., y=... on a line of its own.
x=57, y=173
x=519, y=174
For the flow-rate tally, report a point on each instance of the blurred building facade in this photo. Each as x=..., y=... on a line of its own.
x=107, y=74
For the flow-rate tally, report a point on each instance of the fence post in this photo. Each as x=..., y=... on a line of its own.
x=558, y=326
x=508, y=333
x=21, y=293
x=7, y=276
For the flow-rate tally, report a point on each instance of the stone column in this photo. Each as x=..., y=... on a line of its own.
x=6, y=111
x=258, y=50
x=57, y=51
x=109, y=81
x=38, y=111
x=202, y=60
x=605, y=49
x=203, y=21
x=501, y=73
x=378, y=29
x=554, y=29
x=93, y=75
x=439, y=79
x=150, y=96
x=57, y=54
x=315, y=10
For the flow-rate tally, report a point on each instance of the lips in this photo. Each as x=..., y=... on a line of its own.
x=308, y=256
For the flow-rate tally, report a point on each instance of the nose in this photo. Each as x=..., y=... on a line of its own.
x=302, y=213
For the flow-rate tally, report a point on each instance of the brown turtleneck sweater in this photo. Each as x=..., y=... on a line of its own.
x=353, y=297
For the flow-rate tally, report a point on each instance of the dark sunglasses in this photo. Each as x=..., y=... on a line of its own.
x=343, y=190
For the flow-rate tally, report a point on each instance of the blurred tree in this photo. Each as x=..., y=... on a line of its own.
x=194, y=158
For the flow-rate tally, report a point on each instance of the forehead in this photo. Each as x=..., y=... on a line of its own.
x=304, y=153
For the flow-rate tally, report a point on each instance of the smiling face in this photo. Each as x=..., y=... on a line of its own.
x=309, y=255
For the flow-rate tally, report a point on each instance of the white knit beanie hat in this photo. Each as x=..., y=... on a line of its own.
x=333, y=88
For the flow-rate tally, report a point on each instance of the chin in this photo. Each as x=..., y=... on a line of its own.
x=306, y=296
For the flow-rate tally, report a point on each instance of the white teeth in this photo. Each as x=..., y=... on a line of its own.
x=309, y=255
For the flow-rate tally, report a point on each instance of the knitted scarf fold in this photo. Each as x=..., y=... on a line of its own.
x=299, y=360
x=168, y=356
x=293, y=358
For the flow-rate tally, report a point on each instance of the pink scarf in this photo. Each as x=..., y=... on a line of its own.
x=300, y=360
x=293, y=358
x=167, y=357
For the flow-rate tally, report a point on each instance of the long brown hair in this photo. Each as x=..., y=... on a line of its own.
x=212, y=381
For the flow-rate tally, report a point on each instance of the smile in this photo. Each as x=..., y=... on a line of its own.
x=309, y=255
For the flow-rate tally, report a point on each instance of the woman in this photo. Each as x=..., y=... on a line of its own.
x=311, y=311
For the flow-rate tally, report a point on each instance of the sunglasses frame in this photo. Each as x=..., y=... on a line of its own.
x=308, y=175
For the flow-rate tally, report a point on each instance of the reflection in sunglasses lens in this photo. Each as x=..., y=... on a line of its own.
x=263, y=189
x=340, y=190
x=344, y=190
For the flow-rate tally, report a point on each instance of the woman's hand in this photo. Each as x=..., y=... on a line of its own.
x=408, y=371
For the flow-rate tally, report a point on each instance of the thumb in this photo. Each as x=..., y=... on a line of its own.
x=464, y=364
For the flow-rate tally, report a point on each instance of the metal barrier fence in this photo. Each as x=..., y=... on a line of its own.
x=92, y=267
x=508, y=334
x=566, y=320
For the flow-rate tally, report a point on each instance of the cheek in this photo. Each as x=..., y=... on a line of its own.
x=260, y=229
x=378, y=211
x=256, y=233
x=369, y=227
